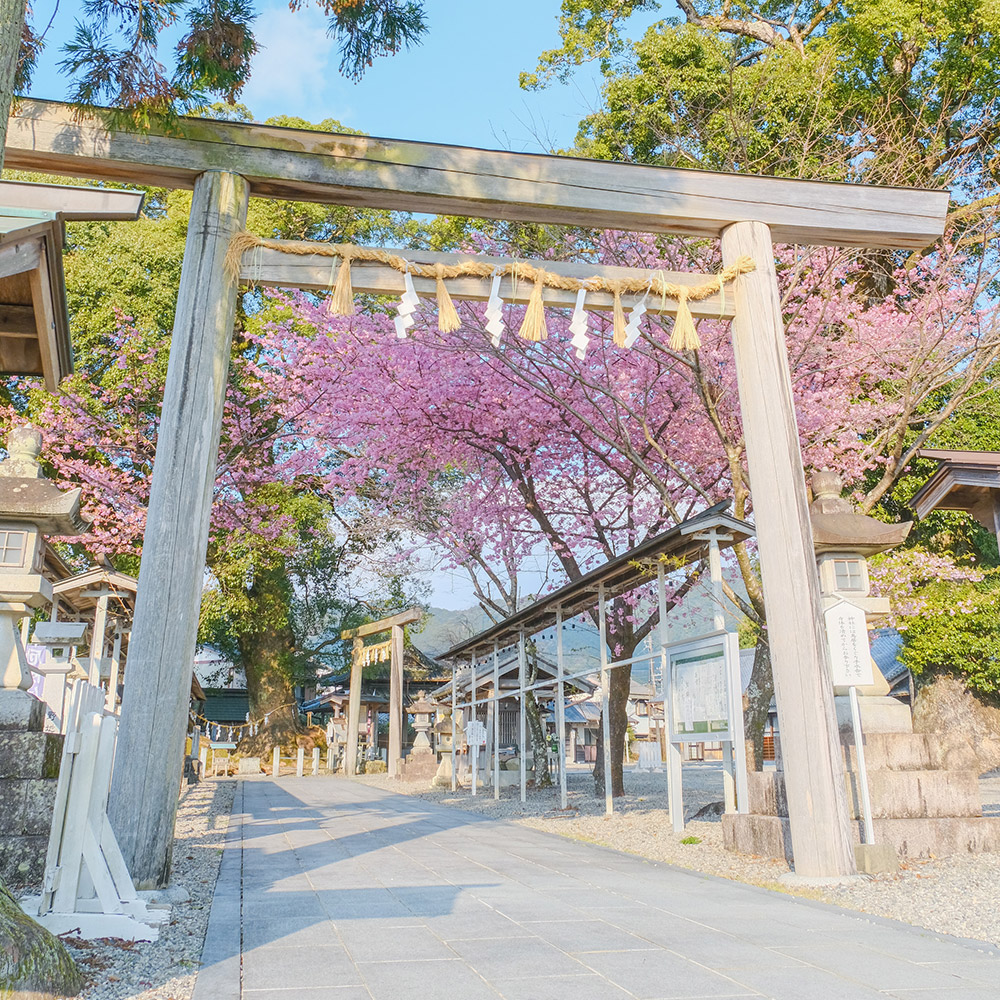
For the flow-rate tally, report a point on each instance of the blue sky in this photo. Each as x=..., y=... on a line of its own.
x=460, y=86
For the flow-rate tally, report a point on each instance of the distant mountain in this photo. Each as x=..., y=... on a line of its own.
x=445, y=628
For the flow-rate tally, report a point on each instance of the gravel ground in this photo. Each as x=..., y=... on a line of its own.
x=166, y=969
x=955, y=895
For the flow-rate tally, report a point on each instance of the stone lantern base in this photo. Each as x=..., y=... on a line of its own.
x=29, y=773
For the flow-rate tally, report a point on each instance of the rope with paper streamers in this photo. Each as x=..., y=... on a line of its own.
x=225, y=732
x=683, y=338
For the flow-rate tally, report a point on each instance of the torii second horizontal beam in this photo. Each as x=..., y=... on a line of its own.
x=305, y=165
x=279, y=269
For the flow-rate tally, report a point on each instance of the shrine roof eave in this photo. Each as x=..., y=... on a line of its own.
x=96, y=577
x=680, y=545
x=507, y=668
x=963, y=480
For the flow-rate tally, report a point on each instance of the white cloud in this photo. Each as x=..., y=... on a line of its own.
x=296, y=67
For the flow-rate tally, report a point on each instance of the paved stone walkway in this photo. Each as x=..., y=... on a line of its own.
x=332, y=890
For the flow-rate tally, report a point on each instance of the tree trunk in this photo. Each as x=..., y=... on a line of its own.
x=11, y=27
x=621, y=684
x=267, y=662
x=756, y=703
x=536, y=731
x=34, y=964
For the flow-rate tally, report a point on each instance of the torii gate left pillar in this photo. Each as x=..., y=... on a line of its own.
x=150, y=754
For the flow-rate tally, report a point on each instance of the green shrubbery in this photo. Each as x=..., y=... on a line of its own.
x=957, y=631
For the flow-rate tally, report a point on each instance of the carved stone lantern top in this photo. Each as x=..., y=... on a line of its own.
x=838, y=527
x=421, y=706
x=27, y=496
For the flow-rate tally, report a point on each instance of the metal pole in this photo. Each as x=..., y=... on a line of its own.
x=866, y=802
x=496, y=721
x=560, y=709
x=602, y=618
x=522, y=669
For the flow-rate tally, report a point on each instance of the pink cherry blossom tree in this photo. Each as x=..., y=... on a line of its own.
x=489, y=452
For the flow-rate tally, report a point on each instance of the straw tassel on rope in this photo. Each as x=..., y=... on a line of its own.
x=342, y=300
x=620, y=332
x=533, y=327
x=685, y=334
x=448, y=319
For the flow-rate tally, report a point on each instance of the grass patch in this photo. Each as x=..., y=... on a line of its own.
x=691, y=840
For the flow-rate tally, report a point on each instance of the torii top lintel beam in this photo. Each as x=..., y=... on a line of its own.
x=304, y=165
x=383, y=624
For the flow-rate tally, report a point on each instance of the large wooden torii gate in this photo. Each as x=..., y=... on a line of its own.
x=225, y=162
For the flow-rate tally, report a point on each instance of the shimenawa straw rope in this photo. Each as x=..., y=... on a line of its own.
x=683, y=337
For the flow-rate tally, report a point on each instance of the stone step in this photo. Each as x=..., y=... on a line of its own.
x=897, y=794
x=908, y=752
x=941, y=836
x=878, y=715
x=770, y=836
x=917, y=794
x=30, y=755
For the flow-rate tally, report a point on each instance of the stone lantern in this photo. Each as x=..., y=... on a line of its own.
x=843, y=540
x=30, y=507
x=422, y=711
x=420, y=764
x=447, y=731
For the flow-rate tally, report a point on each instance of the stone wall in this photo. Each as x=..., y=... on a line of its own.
x=29, y=771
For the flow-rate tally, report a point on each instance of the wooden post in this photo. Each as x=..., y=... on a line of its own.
x=454, y=728
x=300, y=762
x=315, y=760
x=602, y=618
x=97, y=640
x=354, y=709
x=276, y=762
x=522, y=672
x=496, y=721
x=396, y=717
x=561, y=709
x=150, y=752
x=814, y=774
x=472, y=751
x=111, y=702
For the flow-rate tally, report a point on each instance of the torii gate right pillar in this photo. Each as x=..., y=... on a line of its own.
x=814, y=775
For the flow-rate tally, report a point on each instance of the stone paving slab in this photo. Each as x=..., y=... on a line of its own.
x=333, y=890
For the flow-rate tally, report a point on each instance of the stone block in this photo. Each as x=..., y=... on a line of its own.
x=22, y=860
x=766, y=793
x=940, y=836
x=892, y=751
x=917, y=794
x=20, y=711
x=26, y=805
x=765, y=836
x=249, y=765
x=30, y=755
x=874, y=859
x=878, y=715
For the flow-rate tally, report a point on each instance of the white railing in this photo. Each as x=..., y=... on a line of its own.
x=87, y=885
